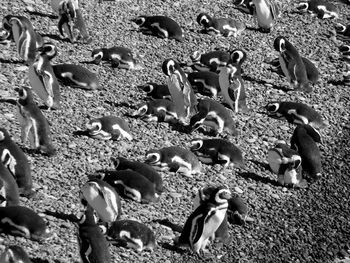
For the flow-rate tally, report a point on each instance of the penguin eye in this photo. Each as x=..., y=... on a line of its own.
x=2, y=136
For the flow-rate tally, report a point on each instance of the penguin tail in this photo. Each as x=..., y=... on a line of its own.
x=167, y=223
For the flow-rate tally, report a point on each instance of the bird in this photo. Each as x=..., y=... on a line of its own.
x=342, y=31
x=321, y=8
x=14, y=254
x=160, y=110
x=13, y=157
x=292, y=64
x=204, y=221
x=175, y=158
x=93, y=246
x=295, y=113
x=211, y=60
x=180, y=89
x=205, y=82
x=220, y=26
x=9, y=192
x=156, y=91
x=161, y=26
x=109, y=128
x=266, y=12
x=42, y=77
x=34, y=125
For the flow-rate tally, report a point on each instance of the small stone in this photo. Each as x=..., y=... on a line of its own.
x=72, y=145
x=275, y=196
x=238, y=190
x=285, y=128
x=175, y=195
x=21, y=68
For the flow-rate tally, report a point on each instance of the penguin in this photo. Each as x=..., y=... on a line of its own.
x=210, y=60
x=238, y=211
x=22, y=31
x=23, y=221
x=120, y=57
x=161, y=26
x=157, y=110
x=321, y=8
x=132, y=234
x=12, y=156
x=286, y=162
x=102, y=197
x=343, y=31
x=33, y=123
x=9, y=192
x=232, y=87
x=266, y=12
x=205, y=220
x=304, y=141
x=132, y=185
x=202, y=196
x=109, y=128
x=220, y=26
x=156, y=91
x=214, y=116
x=345, y=52
x=93, y=246
x=71, y=21
x=292, y=64
x=175, y=158
x=211, y=151
x=295, y=113
x=346, y=75
x=76, y=76
x=180, y=90
x=14, y=254
x=146, y=170
x=237, y=57
x=42, y=78
x=205, y=82
x=245, y=6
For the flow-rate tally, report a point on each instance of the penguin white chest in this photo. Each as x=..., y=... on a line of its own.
x=263, y=14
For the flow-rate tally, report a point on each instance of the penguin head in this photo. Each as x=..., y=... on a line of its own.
x=49, y=49
x=149, y=87
x=272, y=108
x=142, y=110
x=140, y=20
x=196, y=56
x=170, y=66
x=6, y=24
x=4, y=134
x=24, y=94
x=238, y=56
x=204, y=19
x=344, y=49
x=97, y=55
x=303, y=6
x=153, y=157
x=88, y=217
x=196, y=144
x=14, y=254
x=312, y=132
x=280, y=44
x=94, y=126
x=340, y=28
x=220, y=195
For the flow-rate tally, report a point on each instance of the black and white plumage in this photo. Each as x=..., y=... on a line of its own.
x=161, y=26
x=9, y=192
x=23, y=221
x=180, y=89
x=132, y=234
x=211, y=151
x=214, y=116
x=42, y=77
x=174, y=158
x=209, y=61
x=204, y=221
x=103, y=198
x=304, y=141
x=220, y=26
x=156, y=91
x=146, y=170
x=14, y=254
x=109, y=128
x=292, y=64
x=342, y=31
x=295, y=112
x=266, y=12
x=205, y=82
x=93, y=246
x=12, y=156
x=321, y=8
x=34, y=125
x=161, y=110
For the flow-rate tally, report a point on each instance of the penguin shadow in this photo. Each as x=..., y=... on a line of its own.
x=172, y=247
x=176, y=126
x=55, y=37
x=336, y=82
x=8, y=100
x=121, y=104
x=10, y=61
x=67, y=217
x=263, y=82
x=258, y=178
x=40, y=260
x=262, y=165
x=81, y=133
x=37, y=13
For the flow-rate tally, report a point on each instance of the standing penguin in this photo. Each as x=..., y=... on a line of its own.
x=9, y=195
x=292, y=64
x=33, y=123
x=12, y=156
x=202, y=224
x=180, y=89
x=14, y=254
x=161, y=26
x=103, y=198
x=93, y=246
x=42, y=78
x=304, y=140
x=266, y=12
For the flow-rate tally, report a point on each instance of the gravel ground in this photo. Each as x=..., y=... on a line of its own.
x=291, y=225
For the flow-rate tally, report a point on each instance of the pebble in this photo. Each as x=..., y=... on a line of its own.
x=275, y=196
x=238, y=190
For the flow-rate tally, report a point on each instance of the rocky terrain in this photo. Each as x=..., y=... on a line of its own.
x=291, y=225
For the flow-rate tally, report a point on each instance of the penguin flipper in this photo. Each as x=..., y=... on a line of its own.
x=224, y=82
x=39, y=82
x=177, y=96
